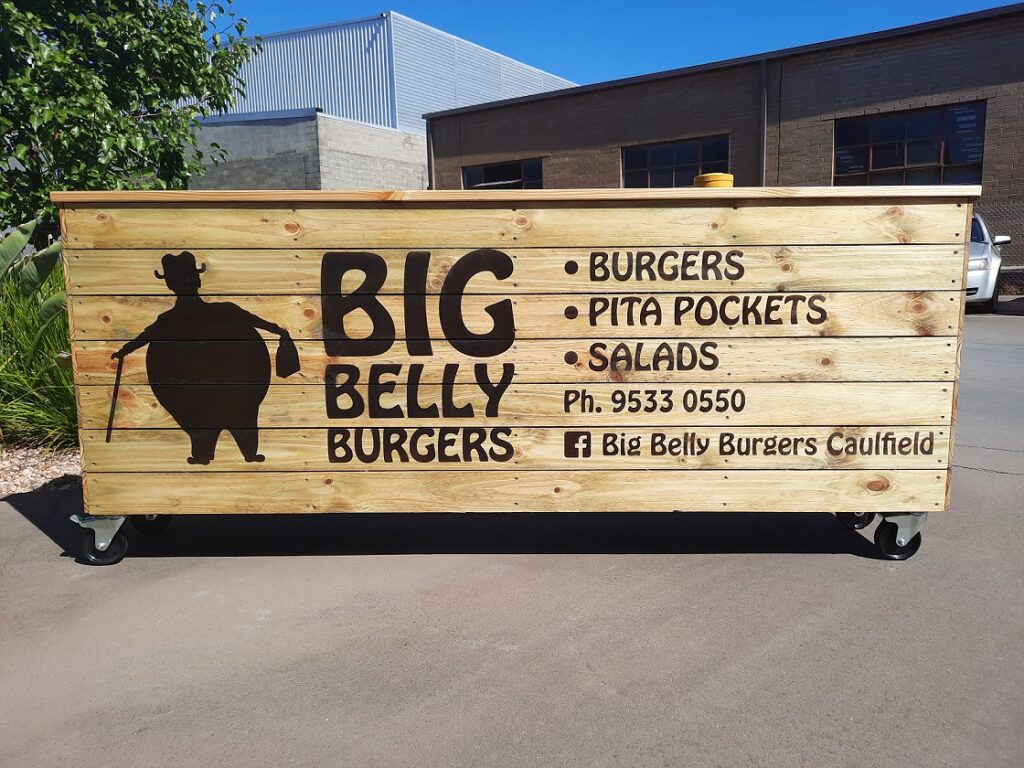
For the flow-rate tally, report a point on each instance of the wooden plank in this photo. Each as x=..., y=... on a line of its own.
x=916, y=358
x=908, y=313
x=782, y=404
x=969, y=214
x=287, y=197
x=72, y=332
x=541, y=270
x=498, y=225
x=908, y=490
x=533, y=448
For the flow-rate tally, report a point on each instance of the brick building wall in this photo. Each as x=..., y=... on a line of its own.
x=978, y=61
x=579, y=134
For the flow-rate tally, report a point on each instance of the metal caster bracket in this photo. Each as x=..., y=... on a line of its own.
x=907, y=525
x=104, y=528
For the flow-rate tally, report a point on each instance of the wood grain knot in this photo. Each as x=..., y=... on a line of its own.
x=904, y=238
x=102, y=217
x=435, y=283
x=292, y=228
x=309, y=312
x=825, y=362
x=894, y=211
x=105, y=318
x=877, y=485
x=328, y=481
x=782, y=253
x=557, y=489
x=521, y=221
x=715, y=225
x=786, y=267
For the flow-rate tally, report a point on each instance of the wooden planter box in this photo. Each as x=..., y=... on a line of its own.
x=557, y=350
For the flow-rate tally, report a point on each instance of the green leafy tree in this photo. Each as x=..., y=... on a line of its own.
x=103, y=94
x=94, y=94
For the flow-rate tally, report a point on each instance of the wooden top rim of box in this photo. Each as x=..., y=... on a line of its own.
x=964, y=192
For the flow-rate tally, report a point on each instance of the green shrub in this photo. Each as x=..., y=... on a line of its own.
x=37, y=396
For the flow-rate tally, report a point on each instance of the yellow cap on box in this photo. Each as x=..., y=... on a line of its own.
x=713, y=180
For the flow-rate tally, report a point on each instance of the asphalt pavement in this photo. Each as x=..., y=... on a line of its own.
x=546, y=640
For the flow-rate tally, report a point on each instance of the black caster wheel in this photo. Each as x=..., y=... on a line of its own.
x=112, y=554
x=885, y=540
x=150, y=524
x=855, y=520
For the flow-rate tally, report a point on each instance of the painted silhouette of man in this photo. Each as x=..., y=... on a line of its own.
x=207, y=364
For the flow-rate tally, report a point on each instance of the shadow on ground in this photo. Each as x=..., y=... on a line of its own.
x=507, y=533
x=1011, y=306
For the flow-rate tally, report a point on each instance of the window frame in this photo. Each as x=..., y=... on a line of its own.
x=522, y=181
x=647, y=147
x=903, y=169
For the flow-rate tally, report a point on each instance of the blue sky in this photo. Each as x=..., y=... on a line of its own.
x=592, y=41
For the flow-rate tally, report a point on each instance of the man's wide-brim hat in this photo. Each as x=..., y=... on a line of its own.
x=178, y=265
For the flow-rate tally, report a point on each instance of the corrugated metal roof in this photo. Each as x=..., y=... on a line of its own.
x=384, y=70
x=434, y=67
x=342, y=69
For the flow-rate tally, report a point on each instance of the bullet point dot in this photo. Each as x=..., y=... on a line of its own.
x=571, y=358
x=571, y=313
x=571, y=267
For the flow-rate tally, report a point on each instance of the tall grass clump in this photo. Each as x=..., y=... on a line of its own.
x=37, y=396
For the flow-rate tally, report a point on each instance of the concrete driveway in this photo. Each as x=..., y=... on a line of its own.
x=558, y=640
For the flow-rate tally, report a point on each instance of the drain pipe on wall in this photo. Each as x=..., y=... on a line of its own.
x=764, y=119
x=430, y=156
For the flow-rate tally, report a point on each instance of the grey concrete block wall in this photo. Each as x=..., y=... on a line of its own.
x=315, y=152
x=358, y=156
x=262, y=154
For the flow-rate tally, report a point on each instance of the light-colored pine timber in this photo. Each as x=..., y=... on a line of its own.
x=307, y=225
x=538, y=270
x=908, y=490
x=910, y=313
x=890, y=261
x=287, y=197
x=543, y=361
x=161, y=450
x=788, y=404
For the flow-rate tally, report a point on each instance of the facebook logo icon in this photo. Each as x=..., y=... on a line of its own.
x=577, y=445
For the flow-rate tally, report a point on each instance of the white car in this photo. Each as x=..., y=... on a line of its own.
x=983, y=265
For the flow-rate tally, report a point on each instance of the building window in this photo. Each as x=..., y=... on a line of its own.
x=923, y=146
x=675, y=164
x=520, y=174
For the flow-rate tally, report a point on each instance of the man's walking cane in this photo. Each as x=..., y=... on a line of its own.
x=113, y=400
